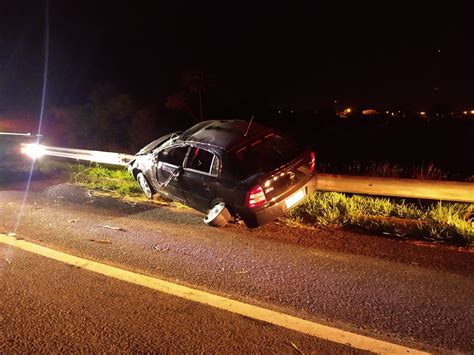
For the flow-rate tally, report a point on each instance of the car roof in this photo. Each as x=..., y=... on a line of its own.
x=224, y=134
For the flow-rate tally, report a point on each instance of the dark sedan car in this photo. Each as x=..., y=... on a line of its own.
x=227, y=169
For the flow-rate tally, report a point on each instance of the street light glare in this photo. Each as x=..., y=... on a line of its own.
x=34, y=151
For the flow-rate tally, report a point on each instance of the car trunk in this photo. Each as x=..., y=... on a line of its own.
x=284, y=181
x=281, y=165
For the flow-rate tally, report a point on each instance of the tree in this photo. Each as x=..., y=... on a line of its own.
x=194, y=84
x=142, y=128
x=101, y=123
x=179, y=102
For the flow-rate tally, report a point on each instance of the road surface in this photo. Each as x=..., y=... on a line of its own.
x=393, y=291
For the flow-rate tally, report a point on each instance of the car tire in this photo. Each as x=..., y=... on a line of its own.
x=218, y=216
x=145, y=186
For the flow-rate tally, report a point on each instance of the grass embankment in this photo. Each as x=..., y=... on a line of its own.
x=102, y=178
x=433, y=221
x=437, y=221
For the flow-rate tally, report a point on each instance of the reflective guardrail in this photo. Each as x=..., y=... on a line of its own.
x=407, y=188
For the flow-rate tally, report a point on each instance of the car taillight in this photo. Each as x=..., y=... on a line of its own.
x=312, y=163
x=255, y=197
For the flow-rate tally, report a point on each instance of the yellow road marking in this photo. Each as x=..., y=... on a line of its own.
x=224, y=303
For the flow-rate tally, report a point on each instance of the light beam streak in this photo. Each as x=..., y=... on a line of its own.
x=40, y=122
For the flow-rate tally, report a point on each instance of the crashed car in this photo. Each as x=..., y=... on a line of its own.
x=227, y=169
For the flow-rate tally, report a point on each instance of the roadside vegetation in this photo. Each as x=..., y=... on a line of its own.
x=432, y=221
x=398, y=218
x=102, y=178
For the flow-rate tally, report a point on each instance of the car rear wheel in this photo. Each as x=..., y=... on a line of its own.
x=218, y=216
x=144, y=185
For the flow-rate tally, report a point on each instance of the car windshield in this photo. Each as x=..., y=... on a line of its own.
x=266, y=154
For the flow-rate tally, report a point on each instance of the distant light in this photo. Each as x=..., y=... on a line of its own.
x=34, y=151
x=348, y=110
x=369, y=112
x=472, y=112
x=422, y=113
x=465, y=112
x=387, y=112
x=279, y=111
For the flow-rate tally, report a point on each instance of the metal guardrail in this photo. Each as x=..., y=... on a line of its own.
x=406, y=188
x=95, y=156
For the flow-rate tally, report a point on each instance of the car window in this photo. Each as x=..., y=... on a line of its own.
x=200, y=160
x=173, y=155
x=266, y=154
x=215, y=166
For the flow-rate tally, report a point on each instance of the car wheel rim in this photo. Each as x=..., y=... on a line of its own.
x=144, y=185
x=215, y=211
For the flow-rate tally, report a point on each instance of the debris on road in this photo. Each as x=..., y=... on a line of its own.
x=156, y=247
x=297, y=349
x=100, y=241
x=115, y=228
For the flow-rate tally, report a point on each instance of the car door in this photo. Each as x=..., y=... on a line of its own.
x=200, y=177
x=168, y=161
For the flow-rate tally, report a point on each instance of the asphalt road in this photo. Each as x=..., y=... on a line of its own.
x=415, y=295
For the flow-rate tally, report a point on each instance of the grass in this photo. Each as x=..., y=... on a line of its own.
x=101, y=178
x=438, y=222
x=433, y=221
x=96, y=177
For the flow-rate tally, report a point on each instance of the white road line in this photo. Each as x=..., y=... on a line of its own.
x=224, y=303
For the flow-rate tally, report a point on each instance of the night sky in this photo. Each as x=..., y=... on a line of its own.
x=294, y=55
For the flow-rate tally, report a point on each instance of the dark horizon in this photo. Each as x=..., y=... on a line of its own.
x=298, y=56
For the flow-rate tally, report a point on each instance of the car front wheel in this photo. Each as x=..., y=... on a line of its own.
x=144, y=185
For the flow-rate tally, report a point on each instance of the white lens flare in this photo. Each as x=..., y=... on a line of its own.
x=34, y=151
